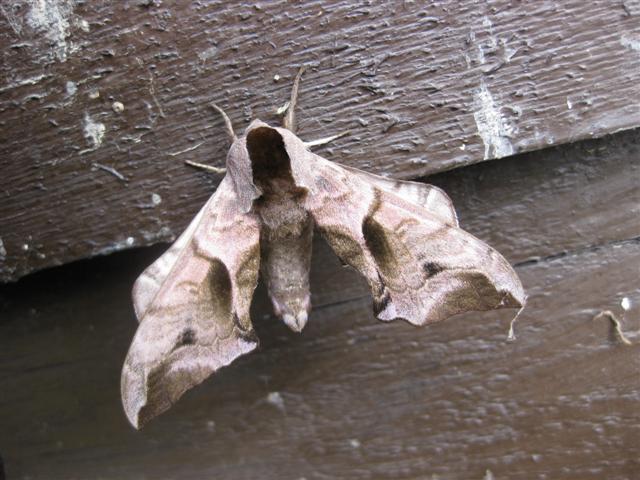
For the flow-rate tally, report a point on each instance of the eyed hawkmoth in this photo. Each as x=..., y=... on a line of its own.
x=403, y=237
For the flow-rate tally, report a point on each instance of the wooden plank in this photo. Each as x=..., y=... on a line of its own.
x=427, y=88
x=349, y=398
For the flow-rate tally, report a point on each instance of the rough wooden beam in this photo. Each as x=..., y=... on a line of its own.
x=101, y=102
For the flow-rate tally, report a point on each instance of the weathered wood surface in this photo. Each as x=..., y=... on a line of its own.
x=422, y=88
x=352, y=397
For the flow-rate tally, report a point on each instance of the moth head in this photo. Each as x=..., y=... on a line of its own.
x=265, y=156
x=269, y=159
x=240, y=171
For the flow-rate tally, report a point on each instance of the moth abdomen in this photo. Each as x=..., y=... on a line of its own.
x=285, y=263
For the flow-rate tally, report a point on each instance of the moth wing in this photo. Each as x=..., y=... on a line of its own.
x=150, y=281
x=419, y=267
x=194, y=311
x=428, y=197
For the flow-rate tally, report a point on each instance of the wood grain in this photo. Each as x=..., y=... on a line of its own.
x=422, y=89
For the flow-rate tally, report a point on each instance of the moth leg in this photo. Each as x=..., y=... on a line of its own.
x=232, y=136
x=289, y=121
x=227, y=123
x=325, y=140
x=208, y=168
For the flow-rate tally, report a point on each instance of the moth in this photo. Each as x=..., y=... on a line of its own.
x=403, y=237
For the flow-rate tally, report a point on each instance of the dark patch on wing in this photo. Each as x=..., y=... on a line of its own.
x=248, y=270
x=375, y=237
x=249, y=336
x=187, y=337
x=379, y=245
x=432, y=268
x=376, y=202
x=244, y=330
x=220, y=289
x=346, y=248
x=382, y=298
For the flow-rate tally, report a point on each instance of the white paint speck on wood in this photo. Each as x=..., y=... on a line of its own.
x=630, y=43
x=51, y=18
x=494, y=129
x=93, y=131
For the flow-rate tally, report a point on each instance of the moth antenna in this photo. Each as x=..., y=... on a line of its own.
x=324, y=141
x=289, y=121
x=227, y=123
x=208, y=168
